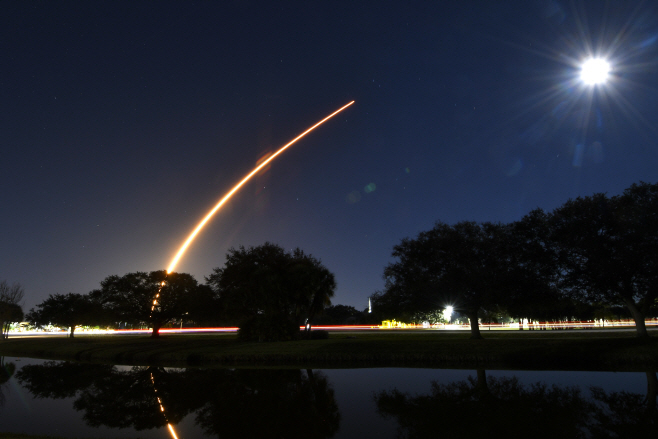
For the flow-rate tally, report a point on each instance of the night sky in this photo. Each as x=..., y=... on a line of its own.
x=123, y=122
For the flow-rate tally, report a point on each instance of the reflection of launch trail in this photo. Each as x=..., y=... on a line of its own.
x=162, y=409
x=230, y=193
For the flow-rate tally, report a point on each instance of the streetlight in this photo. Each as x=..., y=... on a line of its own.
x=447, y=313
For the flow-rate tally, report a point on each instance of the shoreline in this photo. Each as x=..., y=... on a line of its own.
x=599, y=351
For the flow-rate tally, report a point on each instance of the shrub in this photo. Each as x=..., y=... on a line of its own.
x=268, y=328
x=319, y=335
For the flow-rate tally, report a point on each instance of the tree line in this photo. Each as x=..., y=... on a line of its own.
x=266, y=291
x=597, y=249
x=594, y=251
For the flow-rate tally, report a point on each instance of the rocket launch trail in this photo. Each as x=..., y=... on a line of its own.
x=235, y=188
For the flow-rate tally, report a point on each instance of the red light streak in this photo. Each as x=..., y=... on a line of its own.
x=235, y=188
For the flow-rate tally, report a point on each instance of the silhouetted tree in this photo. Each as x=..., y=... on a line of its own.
x=271, y=292
x=11, y=313
x=67, y=311
x=607, y=249
x=468, y=265
x=155, y=298
x=10, y=306
x=537, y=294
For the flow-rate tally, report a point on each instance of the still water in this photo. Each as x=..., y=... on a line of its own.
x=81, y=400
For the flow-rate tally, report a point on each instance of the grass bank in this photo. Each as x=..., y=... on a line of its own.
x=568, y=350
x=26, y=436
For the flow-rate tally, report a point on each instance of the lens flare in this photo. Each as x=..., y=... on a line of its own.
x=235, y=188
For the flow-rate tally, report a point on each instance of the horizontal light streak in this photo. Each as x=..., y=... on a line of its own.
x=609, y=324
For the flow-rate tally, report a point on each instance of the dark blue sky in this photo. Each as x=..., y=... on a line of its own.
x=124, y=122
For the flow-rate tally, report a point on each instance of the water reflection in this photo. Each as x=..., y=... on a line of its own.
x=270, y=403
x=110, y=396
x=479, y=406
x=627, y=414
x=301, y=403
x=6, y=371
x=226, y=403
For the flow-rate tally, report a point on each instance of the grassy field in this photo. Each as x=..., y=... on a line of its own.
x=555, y=350
x=26, y=436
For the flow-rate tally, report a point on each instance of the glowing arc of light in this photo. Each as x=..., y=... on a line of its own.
x=172, y=431
x=235, y=188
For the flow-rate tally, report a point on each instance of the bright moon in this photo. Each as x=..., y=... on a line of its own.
x=595, y=71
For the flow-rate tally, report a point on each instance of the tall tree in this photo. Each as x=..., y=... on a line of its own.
x=537, y=295
x=270, y=292
x=468, y=265
x=312, y=286
x=11, y=313
x=155, y=298
x=11, y=310
x=66, y=311
x=608, y=247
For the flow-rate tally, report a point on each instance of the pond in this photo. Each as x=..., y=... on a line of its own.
x=86, y=400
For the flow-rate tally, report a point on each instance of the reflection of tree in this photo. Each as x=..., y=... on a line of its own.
x=109, y=396
x=6, y=372
x=478, y=407
x=287, y=403
x=127, y=399
x=270, y=403
x=54, y=379
x=625, y=414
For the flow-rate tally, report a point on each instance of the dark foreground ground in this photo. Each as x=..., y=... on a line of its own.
x=554, y=350
x=26, y=436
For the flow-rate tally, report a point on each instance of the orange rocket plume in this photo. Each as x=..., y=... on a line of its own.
x=235, y=188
